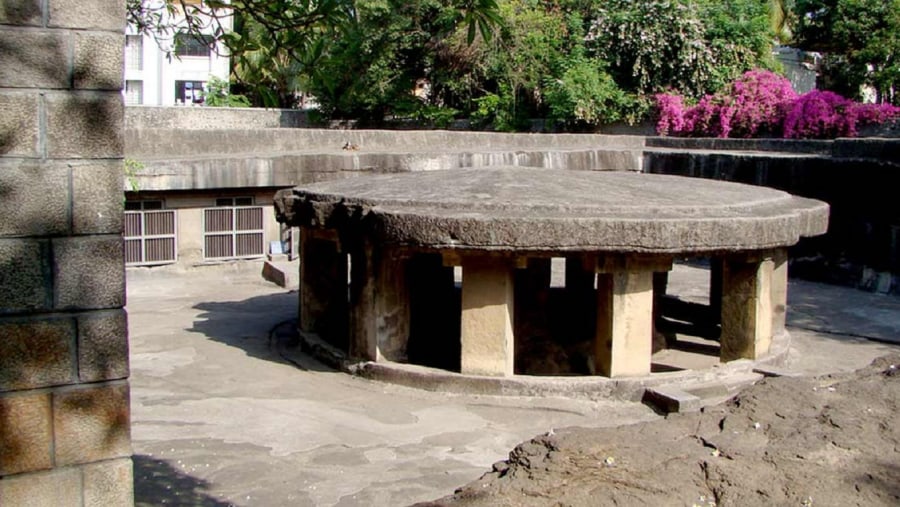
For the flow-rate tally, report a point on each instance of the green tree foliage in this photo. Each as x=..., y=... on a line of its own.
x=861, y=39
x=782, y=18
x=278, y=46
x=499, y=62
x=371, y=70
x=217, y=94
x=692, y=47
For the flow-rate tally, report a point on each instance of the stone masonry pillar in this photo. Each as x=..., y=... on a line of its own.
x=379, y=304
x=323, y=287
x=487, y=316
x=779, y=290
x=64, y=393
x=623, y=345
x=747, y=307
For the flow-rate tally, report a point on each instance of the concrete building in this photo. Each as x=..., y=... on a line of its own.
x=171, y=68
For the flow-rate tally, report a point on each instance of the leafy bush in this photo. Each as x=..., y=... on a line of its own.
x=692, y=47
x=586, y=93
x=876, y=114
x=671, y=111
x=758, y=99
x=820, y=115
x=762, y=103
x=710, y=117
x=217, y=95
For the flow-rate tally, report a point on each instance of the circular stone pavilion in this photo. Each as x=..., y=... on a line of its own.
x=378, y=253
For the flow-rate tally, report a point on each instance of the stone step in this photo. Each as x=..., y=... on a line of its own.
x=283, y=273
x=691, y=397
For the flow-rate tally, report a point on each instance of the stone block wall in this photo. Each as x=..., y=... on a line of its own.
x=64, y=393
x=854, y=176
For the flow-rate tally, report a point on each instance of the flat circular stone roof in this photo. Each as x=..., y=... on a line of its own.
x=530, y=209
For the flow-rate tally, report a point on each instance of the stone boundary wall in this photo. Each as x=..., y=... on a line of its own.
x=216, y=118
x=878, y=148
x=761, y=145
x=286, y=157
x=211, y=118
x=64, y=394
x=854, y=175
x=160, y=143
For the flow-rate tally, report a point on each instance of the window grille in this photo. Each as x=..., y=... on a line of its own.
x=134, y=52
x=134, y=93
x=150, y=238
x=233, y=232
x=193, y=44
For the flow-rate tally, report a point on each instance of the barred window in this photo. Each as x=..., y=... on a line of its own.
x=193, y=45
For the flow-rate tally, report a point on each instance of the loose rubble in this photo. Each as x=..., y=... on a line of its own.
x=830, y=440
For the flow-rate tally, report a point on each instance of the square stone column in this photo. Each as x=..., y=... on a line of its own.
x=623, y=345
x=323, y=286
x=65, y=436
x=779, y=290
x=487, y=316
x=747, y=306
x=379, y=304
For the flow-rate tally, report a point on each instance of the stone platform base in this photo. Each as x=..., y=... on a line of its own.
x=703, y=386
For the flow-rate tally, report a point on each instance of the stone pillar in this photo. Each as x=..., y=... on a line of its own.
x=323, y=286
x=623, y=345
x=487, y=316
x=660, y=286
x=747, y=304
x=379, y=304
x=779, y=290
x=64, y=394
x=363, y=333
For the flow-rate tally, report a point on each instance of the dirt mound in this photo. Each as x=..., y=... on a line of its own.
x=831, y=440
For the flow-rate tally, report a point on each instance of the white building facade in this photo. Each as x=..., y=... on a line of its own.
x=172, y=68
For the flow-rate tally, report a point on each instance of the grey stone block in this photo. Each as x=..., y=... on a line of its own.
x=19, y=124
x=56, y=488
x=24, y=275
x=84, y=125
x=34, y=59
x=90, y=272
x=21, y=12
x=99, y=60
x=93, y=14
x=108, y=483
x=35, y=354
x=91, y=424
x=25, y=434
x=103, y=346
x=34, y=198
x=672, y=399
x=97, y=197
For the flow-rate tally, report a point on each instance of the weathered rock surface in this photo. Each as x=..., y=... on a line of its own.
x=830, y=440
x=520, y=209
